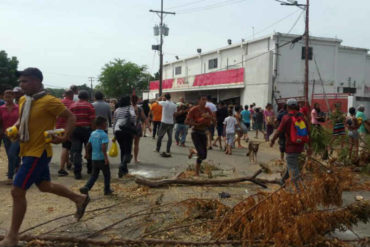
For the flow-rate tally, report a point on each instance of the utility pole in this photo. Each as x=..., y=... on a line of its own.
x=307, y=39
x=163, y=30
x=306, y=75
x=91, y=86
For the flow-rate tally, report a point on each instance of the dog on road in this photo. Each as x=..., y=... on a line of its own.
x=253, y=151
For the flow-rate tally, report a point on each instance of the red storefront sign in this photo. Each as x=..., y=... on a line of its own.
x=225, y=77
x=166, y=84
x=220, y=77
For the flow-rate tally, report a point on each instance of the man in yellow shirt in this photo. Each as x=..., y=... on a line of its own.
x=38, y=113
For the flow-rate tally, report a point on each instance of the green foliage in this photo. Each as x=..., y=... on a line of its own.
x=120, y=77
x=57, y=92
x=320, y=138
x=8, y=67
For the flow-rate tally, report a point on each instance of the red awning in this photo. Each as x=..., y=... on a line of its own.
x=166, y=84
x=220, y=77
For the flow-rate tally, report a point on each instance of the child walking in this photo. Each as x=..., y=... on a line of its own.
x=229, y=126
x=98, y=144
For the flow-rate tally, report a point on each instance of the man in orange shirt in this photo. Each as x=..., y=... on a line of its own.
x=156, y=110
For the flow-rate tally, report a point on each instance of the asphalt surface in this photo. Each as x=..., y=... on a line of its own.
x=152, y=165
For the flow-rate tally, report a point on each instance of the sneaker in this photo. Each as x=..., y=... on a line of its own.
x=166, y=155
x=183, y=145
x=78, y=176
x=84, y=190
x=62, y=173
x=108, y=193
x=121, y=173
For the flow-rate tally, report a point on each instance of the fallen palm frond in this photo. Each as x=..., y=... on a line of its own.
x=287, y=218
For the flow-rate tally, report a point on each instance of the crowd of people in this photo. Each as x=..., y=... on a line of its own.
x=85, y=126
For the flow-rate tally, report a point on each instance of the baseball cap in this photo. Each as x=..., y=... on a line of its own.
x=291, y=102
x=35, y=72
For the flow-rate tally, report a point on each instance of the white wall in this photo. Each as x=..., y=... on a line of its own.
x=291, y=68
x=258, y=76
x=352, y=68
x=336, y=64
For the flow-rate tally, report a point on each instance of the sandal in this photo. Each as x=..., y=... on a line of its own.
x=81, y=210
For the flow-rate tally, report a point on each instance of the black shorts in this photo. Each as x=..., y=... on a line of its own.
x=220, y=130
x=282, y=144
x=211, y=129
x=67, y=145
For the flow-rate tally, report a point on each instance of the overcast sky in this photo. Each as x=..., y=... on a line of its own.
x=70, y=40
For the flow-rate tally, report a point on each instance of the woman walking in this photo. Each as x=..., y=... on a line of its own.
x=141, y=120
x=238, y=128
x=269, y=120
x=8, y=117
x=146, y=110
x=352, y=125
x=339, y=132
x=124, y=130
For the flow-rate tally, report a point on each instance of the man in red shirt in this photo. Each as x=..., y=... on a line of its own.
x=66, y=146
x=200, y=117
x=85, y=115
x=292, y=150
x=8, y=117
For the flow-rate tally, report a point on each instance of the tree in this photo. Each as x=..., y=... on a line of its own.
x=8, y=68
x=56, y=92
x=120, y=78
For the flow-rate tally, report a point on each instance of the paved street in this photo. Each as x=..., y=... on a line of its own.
x=154, y=166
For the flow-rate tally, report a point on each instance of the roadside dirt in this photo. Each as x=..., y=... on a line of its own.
x=134, y=211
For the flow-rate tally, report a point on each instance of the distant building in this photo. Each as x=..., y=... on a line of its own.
x=261, y=71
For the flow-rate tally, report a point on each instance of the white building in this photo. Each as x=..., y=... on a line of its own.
x=269, y=68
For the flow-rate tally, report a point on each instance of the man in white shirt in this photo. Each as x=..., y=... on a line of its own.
x=211, y=130
x=168, y=110
x=75, y=92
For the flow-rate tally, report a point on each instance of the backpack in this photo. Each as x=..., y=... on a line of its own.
x=298, y=130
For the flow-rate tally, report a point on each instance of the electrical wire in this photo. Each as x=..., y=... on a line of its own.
x=276, y=22
x=211, y=6
x=263, y=53
x=186, y=4
x=295, y=23
x=70, y=75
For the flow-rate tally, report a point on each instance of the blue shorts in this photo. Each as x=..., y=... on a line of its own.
x=32, y=170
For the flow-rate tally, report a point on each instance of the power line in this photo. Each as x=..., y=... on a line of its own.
x=293, y=41
x=295, y=23
x=186, y=4
x=62, y=74
x=211, y=6
x=276, y=22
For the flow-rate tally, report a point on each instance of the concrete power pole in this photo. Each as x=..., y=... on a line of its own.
x=161, y=32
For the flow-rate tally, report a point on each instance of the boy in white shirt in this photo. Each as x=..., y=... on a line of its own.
x=229, y=128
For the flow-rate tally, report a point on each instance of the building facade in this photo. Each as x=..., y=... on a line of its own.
x=267, y=69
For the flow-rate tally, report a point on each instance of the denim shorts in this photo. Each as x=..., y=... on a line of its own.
x=230, y=137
